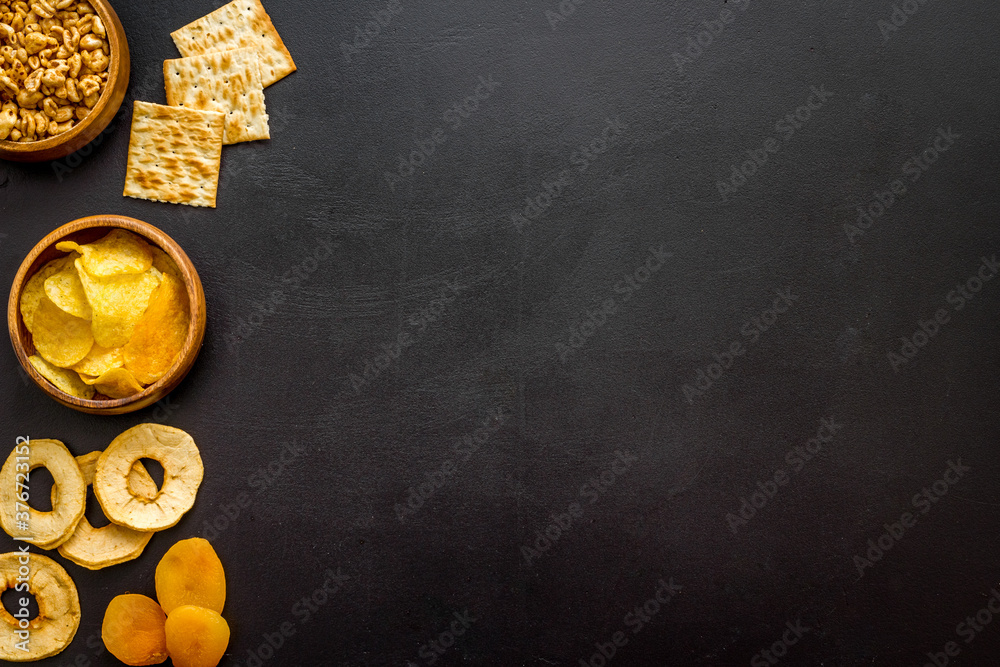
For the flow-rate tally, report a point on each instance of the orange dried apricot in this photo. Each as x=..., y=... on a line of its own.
x=134, y=630
x=190, y=573
x=196, y=637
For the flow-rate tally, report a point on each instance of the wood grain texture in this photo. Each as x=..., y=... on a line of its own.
x=86, y=230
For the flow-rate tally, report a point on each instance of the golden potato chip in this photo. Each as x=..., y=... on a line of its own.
x=119, y=253
x=115, y=383
x=100, y=360
x=34, y=289
x=160, y=334
x=118, y=302
x=164, y=263
x=60, y=338
x=66, y=291
x=64, y=380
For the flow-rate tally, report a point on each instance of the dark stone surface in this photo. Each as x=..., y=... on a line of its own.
x=313, y=262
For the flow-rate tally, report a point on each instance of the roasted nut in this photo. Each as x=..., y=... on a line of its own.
x=55, y=77
x=43, y=9
x=6, y=84
x=33, y=81
x=91, y=43
x=35, y=42
x=27, y=99
x=8, y=117
x=54, y=66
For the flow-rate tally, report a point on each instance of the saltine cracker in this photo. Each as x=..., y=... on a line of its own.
x=226, y=81
x=240, y=24
x=174, y=154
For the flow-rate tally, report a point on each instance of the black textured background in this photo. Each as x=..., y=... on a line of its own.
x=286, y=332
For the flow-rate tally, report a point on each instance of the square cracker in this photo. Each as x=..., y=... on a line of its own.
x=226, y=81
x=241, y=23
x=174, y=154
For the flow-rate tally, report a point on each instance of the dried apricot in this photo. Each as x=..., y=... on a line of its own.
x=190, y=573
x=196, y=637
x=134, y=630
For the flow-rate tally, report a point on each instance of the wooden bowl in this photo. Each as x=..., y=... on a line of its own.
x=86, y=230
x=100, y=116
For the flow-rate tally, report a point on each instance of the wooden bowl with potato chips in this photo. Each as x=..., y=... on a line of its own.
x=107, y=314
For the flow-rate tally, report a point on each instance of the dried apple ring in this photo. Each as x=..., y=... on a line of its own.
x=95, y=548
x=175, y=450
x=58, y=608
x=43, y=529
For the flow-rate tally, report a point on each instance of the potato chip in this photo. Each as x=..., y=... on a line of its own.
x=160, y=333
x=118, y=302
x=119, y=253
x=100, y=360
x=65, y=380
x=116, y=383
x=34, y=289
x=60, y=338
x=66, y=291
x=164, y=263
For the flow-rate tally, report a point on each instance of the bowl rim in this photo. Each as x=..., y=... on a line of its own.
x=196, y=302
x=110, y=19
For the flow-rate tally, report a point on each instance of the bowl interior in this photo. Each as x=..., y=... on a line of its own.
x=119, y=51
x=24, y=346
